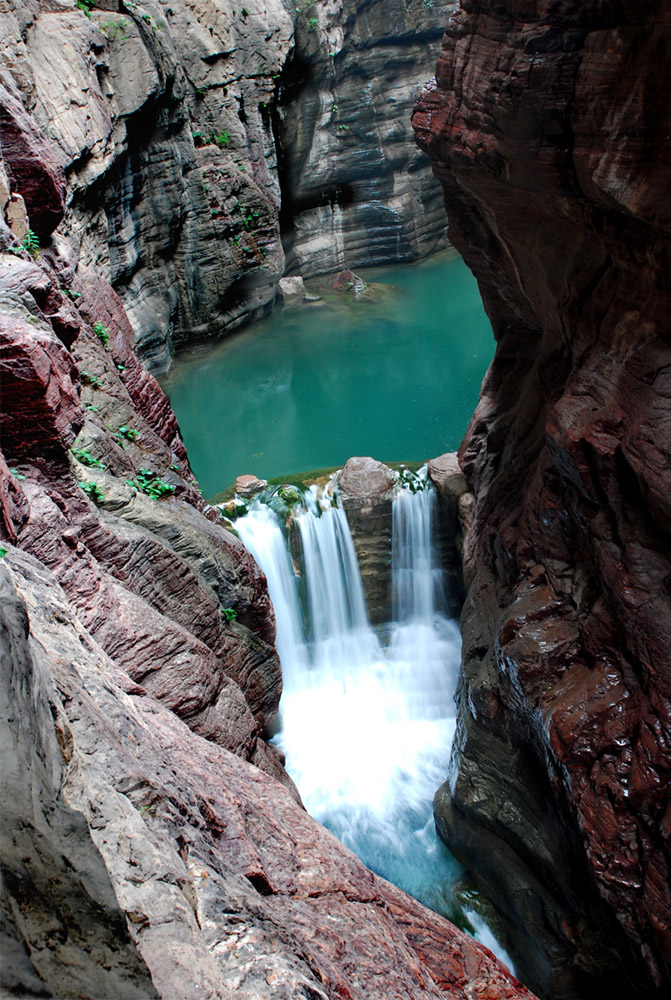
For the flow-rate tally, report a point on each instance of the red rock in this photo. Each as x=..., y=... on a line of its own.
x=213, y=876
x=13, y=503
x=549, y=129
x=248, y=486
x=41, y=410
x=33, y=167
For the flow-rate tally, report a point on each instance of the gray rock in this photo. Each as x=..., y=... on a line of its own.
x=164, y=118
x=357, y=190
x=366, y=487
x=141, y=861
x=292, y=288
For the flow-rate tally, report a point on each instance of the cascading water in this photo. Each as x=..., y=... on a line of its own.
x=366, y=727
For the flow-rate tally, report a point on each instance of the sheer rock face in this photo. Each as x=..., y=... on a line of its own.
x=152, y=843
x=166, y=122
x=355, y=190
x=158, y=116
x=549, y=129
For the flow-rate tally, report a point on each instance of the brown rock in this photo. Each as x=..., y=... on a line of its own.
x=543, y=121
x=41, y=411
x=365, y=480
x=34, y=170
x=347, y=281
x=446, y=475
x=248, y=486
x=159, y=864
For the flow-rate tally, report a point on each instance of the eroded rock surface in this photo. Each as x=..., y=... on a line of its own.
x=355, y=193
x=159, y=864
x=158, y=116
x=550, y=133
x=167, y=122
x=152, y=844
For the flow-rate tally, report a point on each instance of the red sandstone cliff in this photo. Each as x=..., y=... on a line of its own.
x=549, y=126
x=143, y=853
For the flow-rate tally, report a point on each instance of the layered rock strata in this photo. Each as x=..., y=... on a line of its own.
x=549, y=129
x=166, y=122
x=455, y=512
x=152, y=844
x=355, y=190
x=159, y=118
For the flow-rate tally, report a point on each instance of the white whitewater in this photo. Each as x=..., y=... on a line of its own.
x=366, y=727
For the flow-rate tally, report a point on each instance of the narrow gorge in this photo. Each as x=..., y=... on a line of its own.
x=163, y=168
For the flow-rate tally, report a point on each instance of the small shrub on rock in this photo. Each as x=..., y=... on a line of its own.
x=151, y=484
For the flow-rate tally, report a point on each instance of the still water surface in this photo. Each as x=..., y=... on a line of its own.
x=395, y=376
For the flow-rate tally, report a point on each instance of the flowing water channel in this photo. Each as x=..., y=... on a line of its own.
x=367, y=716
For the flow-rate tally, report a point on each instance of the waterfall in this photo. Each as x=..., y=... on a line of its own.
x=366, y=726
x=418, y=590
x=261, y=532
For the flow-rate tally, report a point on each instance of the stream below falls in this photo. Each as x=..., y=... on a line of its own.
x=367, y=715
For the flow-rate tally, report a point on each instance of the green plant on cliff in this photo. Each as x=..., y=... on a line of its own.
x=229, y=614
x=86, y=6
x=151, y=484
x=86, y=458
x=93, y=492
x=31, y=243
x=249, y=222
x=220, y=139
x=129, y=433
x=114, y=30
x=91, y=379
x=101, y=332
x=289, y=495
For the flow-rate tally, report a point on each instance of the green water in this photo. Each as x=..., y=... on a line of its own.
x=396, y=377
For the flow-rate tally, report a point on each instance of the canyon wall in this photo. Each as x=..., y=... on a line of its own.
x=151, y=843
x=355, y=190
x=549, y=129
x=168, y=120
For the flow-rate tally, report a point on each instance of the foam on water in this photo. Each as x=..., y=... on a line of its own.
x=366, y=727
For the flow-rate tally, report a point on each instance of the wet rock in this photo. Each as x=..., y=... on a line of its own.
x=248, y=486
x=347, y=281
x=366, y=487
x=292, y=289
x=153, y=845
x=567, y=621
x=450, y=482
x=164, y=119
x=364, y=481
